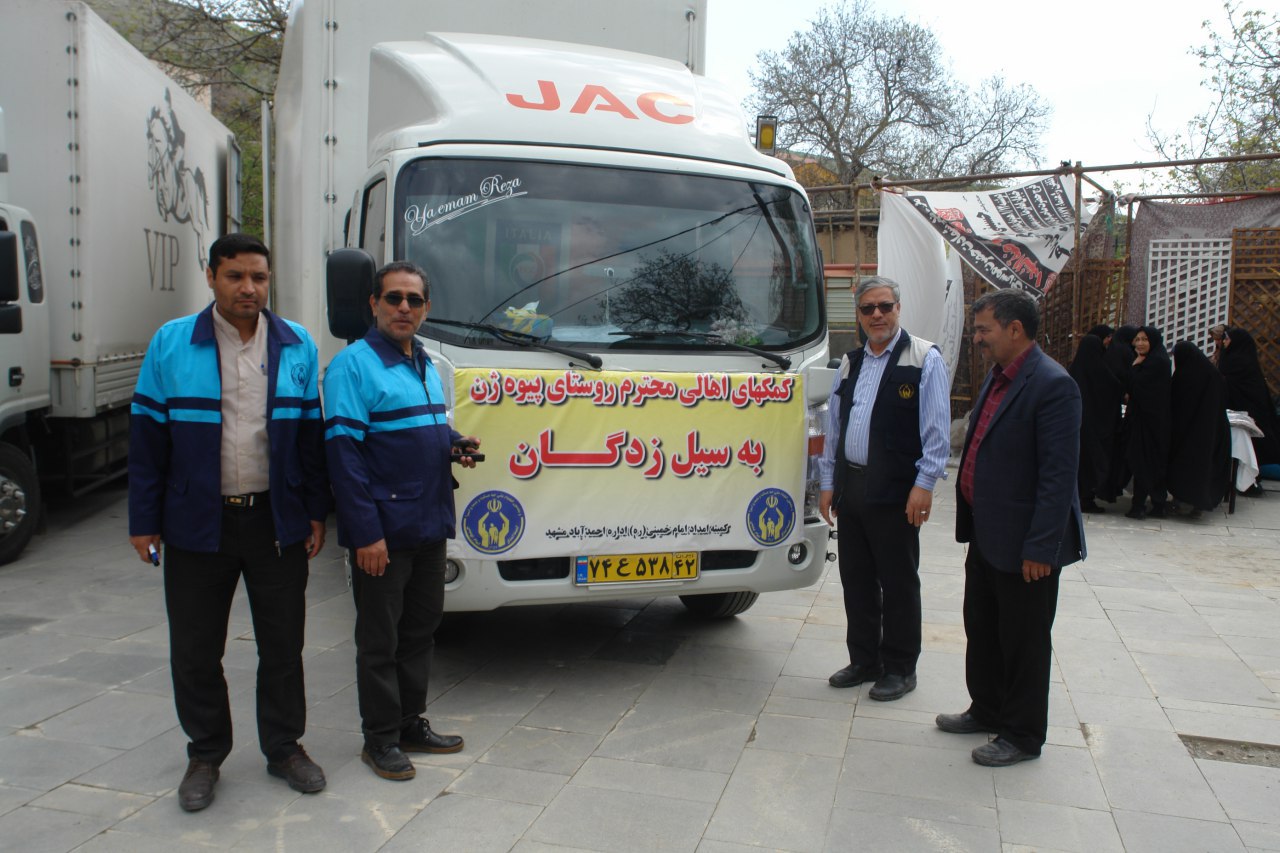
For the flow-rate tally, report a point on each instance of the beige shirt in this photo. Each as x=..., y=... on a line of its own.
x=245, y=449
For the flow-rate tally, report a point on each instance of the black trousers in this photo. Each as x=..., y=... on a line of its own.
x=198, y=589
x=880, y=572
x=397, y=614
x=1008, y=623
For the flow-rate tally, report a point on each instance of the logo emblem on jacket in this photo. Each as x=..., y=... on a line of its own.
x=299, y=375
x=493, y=522
x=770, y=516
x=906, y=392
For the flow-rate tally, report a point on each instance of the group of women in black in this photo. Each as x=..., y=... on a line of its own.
x=1173, y=438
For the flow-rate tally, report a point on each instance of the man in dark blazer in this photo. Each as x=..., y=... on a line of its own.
x=1019, y=511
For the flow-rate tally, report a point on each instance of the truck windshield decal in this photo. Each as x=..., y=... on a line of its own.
x=492, y=190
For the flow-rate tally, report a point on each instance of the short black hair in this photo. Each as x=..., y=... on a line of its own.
x=1011, y=304
x=230, y=245
x=401, y=266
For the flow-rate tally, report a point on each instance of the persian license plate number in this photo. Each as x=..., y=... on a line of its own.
x=636, y=568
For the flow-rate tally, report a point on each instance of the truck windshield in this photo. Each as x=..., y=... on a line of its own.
x=586, y=255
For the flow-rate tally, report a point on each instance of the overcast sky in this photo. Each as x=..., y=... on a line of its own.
x=1104, y=65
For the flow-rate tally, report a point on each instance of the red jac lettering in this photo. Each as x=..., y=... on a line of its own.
x=658, y=106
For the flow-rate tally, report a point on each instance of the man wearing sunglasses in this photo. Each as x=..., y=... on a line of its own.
x=888, y=438
x=389, y=446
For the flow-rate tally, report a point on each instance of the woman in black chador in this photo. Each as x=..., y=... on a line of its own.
x=1247, y=392
x=1120, y=363
x=1100, y=395
x=1147, y=420
x=1200, y=448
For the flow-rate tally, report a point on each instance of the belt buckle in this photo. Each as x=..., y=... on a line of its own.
x=238, y=500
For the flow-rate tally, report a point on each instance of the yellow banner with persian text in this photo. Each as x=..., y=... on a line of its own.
x=617, y=462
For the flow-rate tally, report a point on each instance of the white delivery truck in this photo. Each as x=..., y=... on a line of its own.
x=113, y=183
x=626, y=297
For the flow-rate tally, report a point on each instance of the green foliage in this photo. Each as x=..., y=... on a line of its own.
x=1242, y=69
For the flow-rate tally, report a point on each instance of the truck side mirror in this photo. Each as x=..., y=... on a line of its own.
x=9, y=288
x=349, y=282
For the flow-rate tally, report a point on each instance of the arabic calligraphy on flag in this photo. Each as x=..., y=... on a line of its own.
x=1017, y=237
x=659, y=461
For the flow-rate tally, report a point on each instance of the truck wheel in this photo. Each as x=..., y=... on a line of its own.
x=19, y=502
x=719, y=605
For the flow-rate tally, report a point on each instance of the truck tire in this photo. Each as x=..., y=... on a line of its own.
x=19, y=502
x=719, y=605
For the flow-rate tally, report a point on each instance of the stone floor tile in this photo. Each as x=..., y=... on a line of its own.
x=912, y=733
x=588, y=711
x=1226, y=681
x=817, y=709
x=777, y=800
x=680, y=783
x=116, y=718
x=914, y=771
x=1150, y=771
x=1062, y=776
x=1258, y=836
x=727, y=662
x=512, y=784
x=238, y=806
x=108, y=669
x=692, y=737
x=35, y=830
x=804, y=735
x=905, y=834
x=940, y=811
x=27, y=699
x=1099, y=667
x=1246, y=792
x=461, y=822
x=620, y=821
x=761, y=633
x=1213, y=648
x=12, y=796
x=153, y=769
x=105, y=626
x=817, y=658
x=97, y=802
x=705, y=691
x=1105, y=709
x=1143, y=832
x=29, y=760
x=1157, y=625
x=542, y=749
x=115, y=841
x=1046, y=826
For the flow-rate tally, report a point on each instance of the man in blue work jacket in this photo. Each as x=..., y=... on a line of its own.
x=389, y=445
x=227, y=470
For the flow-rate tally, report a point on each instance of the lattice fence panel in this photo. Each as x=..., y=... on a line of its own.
x=1255, y=293
x=1102, y=296
x=1188, y=288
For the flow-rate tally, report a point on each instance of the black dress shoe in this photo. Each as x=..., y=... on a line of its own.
x=1159, y=511
x=196, y=791
x=892, y=685
x=302, y=774
x=388, y=762
x=854, y=674
x=961, y=724
x=1000, y=753
x=1136, y=512
x=418, y=737
x=1091, y=506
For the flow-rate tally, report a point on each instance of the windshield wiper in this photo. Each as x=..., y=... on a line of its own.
x=521, y=339
x=654, y=334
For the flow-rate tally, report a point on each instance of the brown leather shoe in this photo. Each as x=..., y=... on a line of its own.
x=302, y=774
x=196, y=791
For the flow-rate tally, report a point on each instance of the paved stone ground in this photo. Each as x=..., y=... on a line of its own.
x=631, y=726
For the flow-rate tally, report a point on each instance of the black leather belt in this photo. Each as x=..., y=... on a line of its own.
x=245, y=501
x=856, y=469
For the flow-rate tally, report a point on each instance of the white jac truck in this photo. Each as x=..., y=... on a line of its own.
x=626, y=297
x=113, y=183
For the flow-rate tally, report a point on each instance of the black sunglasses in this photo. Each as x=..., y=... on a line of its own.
x=394, y=299
x=870, y=308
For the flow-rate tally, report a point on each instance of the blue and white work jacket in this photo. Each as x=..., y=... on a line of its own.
x=389, y=443
x=175, y=435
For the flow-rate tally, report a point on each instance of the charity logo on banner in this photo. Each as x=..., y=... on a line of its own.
x=1018, y=237
x=612, y=462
